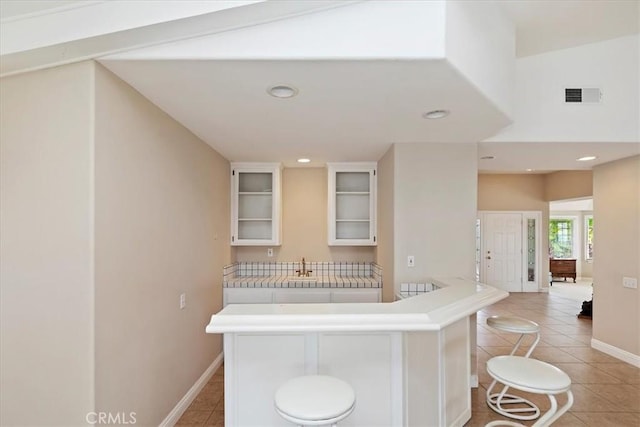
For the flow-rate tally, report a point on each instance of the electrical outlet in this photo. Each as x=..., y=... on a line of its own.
x=270, y=252
x=411, y=261
x=183, y=300
x=630, y=282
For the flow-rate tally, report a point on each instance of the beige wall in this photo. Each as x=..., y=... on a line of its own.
x=304, y=223
x=110, y=210
x=162, y=227
x=518, y=192
x=512, y=192
x=385, y=249
x=533, y=192
x=435, y=193
x=564, y=185
x=616, y=208
x=46, y=247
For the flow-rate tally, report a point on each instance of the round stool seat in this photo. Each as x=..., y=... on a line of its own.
x=315, y=400
x=530, y=375
x=513, y=324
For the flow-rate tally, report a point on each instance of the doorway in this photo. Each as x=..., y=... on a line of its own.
x=509, y=250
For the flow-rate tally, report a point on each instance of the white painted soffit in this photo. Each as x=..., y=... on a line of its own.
x=545, y=157
x=365, y=30
x=55, y=37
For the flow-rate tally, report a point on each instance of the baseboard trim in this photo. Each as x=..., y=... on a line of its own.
x=474, y=381
x=618, y=353
x=186, y=400
x=462, y=419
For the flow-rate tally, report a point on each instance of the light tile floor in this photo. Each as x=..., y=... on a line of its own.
x=606, y=390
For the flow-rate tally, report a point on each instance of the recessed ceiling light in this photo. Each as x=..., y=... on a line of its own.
x=303, y=160
x=586, y=158
x=487, y=158
x=282, y=91
x=436, y=114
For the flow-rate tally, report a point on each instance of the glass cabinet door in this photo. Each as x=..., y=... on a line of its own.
x=352, y=204
x=255, y=205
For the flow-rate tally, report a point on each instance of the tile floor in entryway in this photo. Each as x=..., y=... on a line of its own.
x=606, y=390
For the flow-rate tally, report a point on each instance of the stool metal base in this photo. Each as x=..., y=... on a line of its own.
x=529, y=375
x=546, y=420
x=500, y=403
x=503, y=403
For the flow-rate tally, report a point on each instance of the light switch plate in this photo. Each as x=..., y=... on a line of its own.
x=411, y=261
x=630, y=282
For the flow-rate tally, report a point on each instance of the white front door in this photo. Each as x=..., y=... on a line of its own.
x=501, y=255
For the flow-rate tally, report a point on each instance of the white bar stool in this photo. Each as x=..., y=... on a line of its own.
x=534, y=376
x=315, y=400
x=505, y=404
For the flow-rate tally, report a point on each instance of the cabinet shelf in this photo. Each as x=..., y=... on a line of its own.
x=352, y=204
x=255, y=204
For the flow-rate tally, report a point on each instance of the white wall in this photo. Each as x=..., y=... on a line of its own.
x=481, y=44
x=435, y=193
x=46, y=247
x=541, y=115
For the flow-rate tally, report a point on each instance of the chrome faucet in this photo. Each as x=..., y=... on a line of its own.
x=303, y=272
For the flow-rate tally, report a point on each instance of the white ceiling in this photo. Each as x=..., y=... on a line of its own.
x=354, y=110
x=346, y=110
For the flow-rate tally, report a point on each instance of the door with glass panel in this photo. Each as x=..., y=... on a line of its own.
x=509, y=250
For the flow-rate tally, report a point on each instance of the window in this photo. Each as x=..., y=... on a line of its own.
x=588, y=237
x=561, y=238
x=531, y=249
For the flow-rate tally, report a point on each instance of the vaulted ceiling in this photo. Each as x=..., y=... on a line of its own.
x=209, y=67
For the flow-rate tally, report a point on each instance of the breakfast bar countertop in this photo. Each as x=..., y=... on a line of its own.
x=456, y=298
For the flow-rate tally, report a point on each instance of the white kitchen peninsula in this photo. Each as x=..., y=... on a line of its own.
x=409, y=361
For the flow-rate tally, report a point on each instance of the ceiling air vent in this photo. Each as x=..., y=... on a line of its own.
x=582, y=95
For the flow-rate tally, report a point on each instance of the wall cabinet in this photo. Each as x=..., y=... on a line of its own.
x=352, y=204
x=255, y=204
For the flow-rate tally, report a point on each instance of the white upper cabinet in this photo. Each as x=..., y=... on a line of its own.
x=255, y=204
x=352, y=204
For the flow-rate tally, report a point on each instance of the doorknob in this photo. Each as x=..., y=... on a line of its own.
x=488, y=257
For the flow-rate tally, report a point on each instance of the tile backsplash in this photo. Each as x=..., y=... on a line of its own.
x=413, y=289
x=283, y=274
